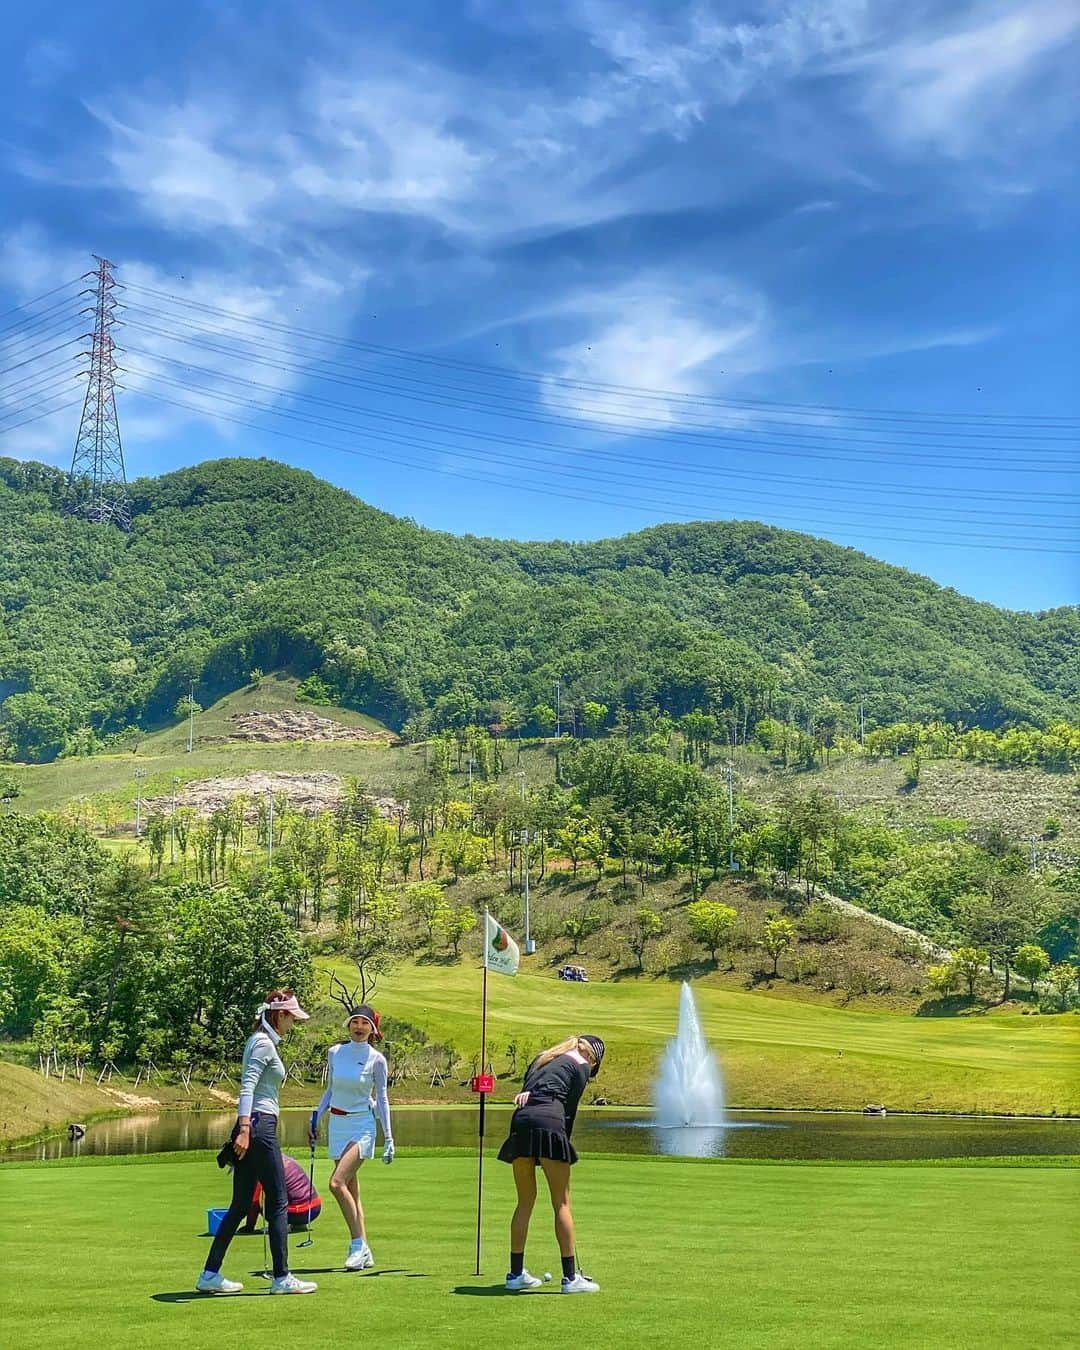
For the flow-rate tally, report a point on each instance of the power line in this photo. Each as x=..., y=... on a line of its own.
x=534, y=376
x=623, y=472
x=28, y=304
x=952, y=539
x=47, y=412
x=774, y=448
x=592, y=419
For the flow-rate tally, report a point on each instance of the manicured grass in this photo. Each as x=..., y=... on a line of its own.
x=31, y=1104
x=775, y=1052
x=686, y=1253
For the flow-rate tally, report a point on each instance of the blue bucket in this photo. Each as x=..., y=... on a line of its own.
x=213, y=1220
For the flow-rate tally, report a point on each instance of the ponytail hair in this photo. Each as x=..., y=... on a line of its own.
x=554, y=1051
x=265, y=1014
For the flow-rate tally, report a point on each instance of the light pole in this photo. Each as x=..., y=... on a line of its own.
x=530, y=945
x=270, y=831
x=191, y=719
x=140, y=774
x=731, y=816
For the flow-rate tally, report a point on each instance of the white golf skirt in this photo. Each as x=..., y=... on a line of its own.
x=358, y=1128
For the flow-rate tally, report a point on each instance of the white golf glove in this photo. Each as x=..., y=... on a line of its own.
x=388, y=1152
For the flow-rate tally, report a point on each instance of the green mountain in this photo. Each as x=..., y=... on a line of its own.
x=234, y=563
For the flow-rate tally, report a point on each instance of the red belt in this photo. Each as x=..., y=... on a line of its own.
x=337, y=1111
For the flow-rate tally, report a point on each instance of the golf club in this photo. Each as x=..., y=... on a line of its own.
x=311, y=1191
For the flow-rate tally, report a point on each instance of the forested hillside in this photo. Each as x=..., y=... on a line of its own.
x=235, y=564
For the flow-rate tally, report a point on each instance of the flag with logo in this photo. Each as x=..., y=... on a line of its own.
x=501, y=952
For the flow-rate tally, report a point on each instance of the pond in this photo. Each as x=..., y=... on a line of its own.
x=747, y=1134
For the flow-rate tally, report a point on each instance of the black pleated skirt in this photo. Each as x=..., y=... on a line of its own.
x=538, y=1130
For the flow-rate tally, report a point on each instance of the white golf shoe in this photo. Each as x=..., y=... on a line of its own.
x=360, y=1256
x=580, y=1284
x=518, y=1283
x=213, y=1282
x=289, y=1284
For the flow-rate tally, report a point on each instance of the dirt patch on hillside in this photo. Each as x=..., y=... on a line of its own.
x=308, y=793
x=296, y=724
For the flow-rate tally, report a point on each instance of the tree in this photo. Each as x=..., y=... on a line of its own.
x=942, y=978
x=593, y=716
x=1031, y=962
x=581, y=923
x=543, y=717
x=1062, y=978
x=125, y=909
x=777, y=935
x=644, y=925
x=711, y=924
x=968, y=963
x=377, y=940
x=33, y=727
x=424, y=899
x=34, y=957
x=452, y=923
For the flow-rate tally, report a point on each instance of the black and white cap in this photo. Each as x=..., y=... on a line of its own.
x=597, y=1046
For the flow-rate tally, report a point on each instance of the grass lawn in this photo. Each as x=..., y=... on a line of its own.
x=707, y=1253
x=775, y=1052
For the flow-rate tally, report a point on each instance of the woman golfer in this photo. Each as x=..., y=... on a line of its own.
x=355, y=1071
x=540, y=1133
x=258, y=1153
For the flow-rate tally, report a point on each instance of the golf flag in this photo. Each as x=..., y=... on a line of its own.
x=501, y=952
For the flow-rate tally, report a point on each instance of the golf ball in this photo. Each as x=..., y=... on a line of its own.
x=547, y=1276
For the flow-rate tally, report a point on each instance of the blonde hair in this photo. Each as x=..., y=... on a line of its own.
x=563, y=1048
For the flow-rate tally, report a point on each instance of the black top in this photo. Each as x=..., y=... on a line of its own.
x=561, y=1080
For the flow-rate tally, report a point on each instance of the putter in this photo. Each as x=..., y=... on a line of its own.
x=311, y=1191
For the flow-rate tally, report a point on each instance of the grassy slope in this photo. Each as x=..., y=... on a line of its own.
x=775, y=1052
x=30, y=1104
x=768, y=1256
x=163, y=755
x=1019, y=800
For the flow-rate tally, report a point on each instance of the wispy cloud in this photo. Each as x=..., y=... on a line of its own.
x=951, y=84
x=654, y=333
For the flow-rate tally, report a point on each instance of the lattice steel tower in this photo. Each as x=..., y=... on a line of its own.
x=97, y=466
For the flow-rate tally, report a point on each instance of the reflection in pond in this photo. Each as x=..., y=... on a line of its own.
x=745, y=1134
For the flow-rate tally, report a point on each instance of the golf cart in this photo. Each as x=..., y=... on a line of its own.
x=575, y=973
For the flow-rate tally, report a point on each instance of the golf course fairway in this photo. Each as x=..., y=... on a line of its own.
x=104, y=1253
x=775, y=1051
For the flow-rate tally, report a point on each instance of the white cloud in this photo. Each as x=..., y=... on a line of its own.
x=654, y=334
x=948, y=88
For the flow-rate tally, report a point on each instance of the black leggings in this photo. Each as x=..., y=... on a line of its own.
x=261, y=1163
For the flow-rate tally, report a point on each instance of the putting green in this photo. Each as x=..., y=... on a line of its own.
x=713, y=1254
x=776, y=1052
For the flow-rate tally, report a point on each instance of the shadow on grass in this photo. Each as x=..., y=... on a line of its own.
x=498, y=1291
x=263, y=1287
x=954, y=1005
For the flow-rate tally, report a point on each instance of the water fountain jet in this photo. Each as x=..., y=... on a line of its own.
x=689, y=1089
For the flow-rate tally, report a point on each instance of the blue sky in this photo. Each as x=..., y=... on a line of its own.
x=774, y=214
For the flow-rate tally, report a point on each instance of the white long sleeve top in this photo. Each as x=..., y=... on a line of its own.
x=261, y=1073
x=356, y=1073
